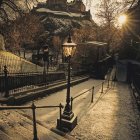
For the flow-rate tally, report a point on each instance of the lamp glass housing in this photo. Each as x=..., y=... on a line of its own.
x=69, y=49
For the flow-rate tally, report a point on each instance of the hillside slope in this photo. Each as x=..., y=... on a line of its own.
x=17, y=64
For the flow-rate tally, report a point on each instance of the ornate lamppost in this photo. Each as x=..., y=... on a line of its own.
x=45, y=59
x=68, y=121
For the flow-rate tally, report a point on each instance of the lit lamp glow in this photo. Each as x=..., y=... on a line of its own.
x=69, y=49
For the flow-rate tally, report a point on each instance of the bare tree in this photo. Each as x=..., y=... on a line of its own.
x=12, y=8
x=29, y=3
x=108, y=12
x=25, y=29
x=84, y=34
x=6, y=4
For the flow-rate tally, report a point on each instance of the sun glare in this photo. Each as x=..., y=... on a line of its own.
x=122, y=19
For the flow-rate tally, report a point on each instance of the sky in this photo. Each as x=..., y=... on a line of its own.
x=92, y=5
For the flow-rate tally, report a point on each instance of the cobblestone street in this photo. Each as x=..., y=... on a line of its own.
x=112, y=116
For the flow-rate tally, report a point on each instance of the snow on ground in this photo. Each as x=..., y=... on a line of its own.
x=113, y=116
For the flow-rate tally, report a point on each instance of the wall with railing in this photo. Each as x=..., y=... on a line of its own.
x=10, y=82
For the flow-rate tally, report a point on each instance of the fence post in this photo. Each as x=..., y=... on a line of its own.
x=108, y=83
x=34, y=122
x=92, y=94
x=60, y=107
x=102, y=90
x=108, y=79
x=6, y=81
x=71, y=103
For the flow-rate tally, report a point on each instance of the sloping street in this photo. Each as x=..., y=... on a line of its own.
x=80, y=105
x=112, y=116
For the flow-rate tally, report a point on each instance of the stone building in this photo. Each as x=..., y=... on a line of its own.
x=56, y=4
x=77, y=7
x=62, y=9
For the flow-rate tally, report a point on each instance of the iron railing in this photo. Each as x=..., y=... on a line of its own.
x=33, y=107
x=110, y=83
x=11, y=83
x=89, y=90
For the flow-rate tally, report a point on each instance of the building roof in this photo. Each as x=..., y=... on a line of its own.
x=96, y=43
x=61, y=13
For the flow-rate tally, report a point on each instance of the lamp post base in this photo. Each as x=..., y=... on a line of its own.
x=67, y=125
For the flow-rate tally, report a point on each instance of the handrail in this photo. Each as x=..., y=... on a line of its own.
x=99, y=84
x=93, y=89
x=24, y=107
x=33, y=107
x=81, y=93
x=87, y=91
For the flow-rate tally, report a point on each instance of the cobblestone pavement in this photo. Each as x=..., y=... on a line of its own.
x=112, y=116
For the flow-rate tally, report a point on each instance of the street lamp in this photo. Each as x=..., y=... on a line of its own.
x=68, y=121
x=45, y=59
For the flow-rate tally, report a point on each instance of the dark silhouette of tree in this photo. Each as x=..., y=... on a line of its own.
x=8, y=8
x=24, y=30
x=6, y=4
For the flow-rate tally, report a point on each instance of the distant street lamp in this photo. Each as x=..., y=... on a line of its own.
x=45, y=59
x=68, y=121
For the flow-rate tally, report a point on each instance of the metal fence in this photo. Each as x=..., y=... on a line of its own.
x=15, y=82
